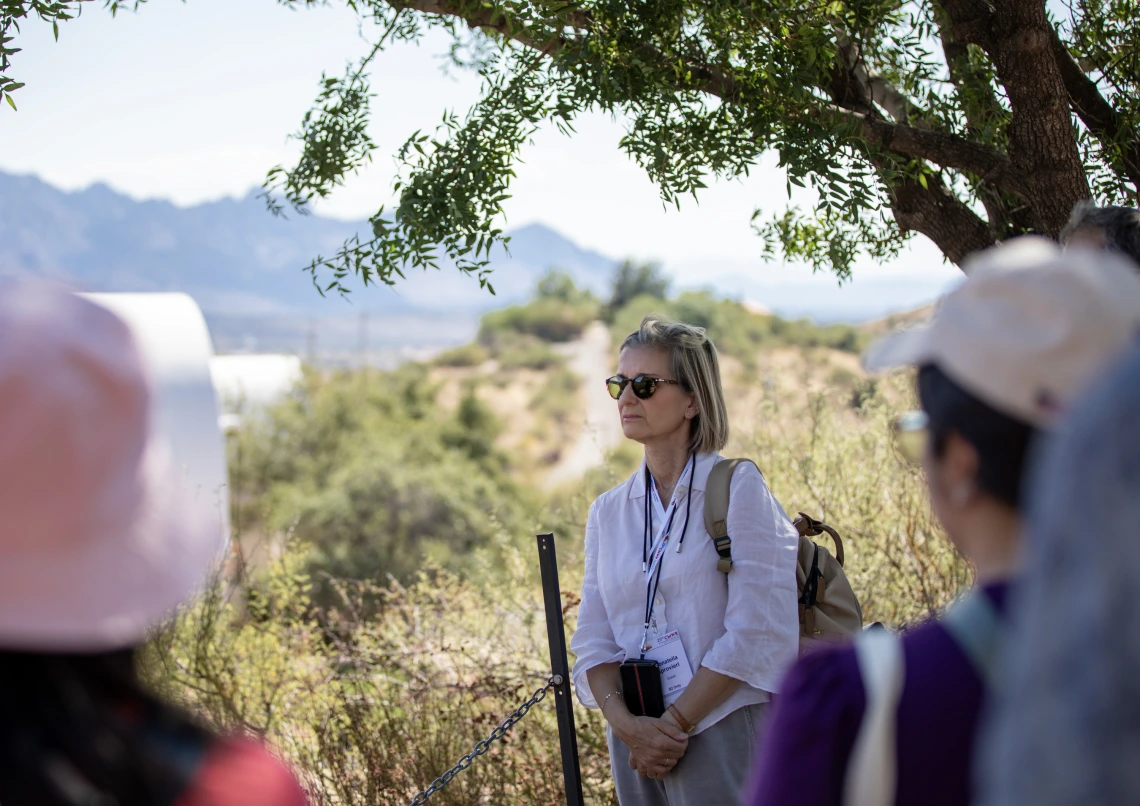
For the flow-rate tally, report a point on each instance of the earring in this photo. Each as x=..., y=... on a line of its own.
x=961, y=495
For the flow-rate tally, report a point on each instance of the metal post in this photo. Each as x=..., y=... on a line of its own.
x=560, y=668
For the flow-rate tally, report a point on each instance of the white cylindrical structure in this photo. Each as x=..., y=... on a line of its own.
x=175, y=344
x=249, y=384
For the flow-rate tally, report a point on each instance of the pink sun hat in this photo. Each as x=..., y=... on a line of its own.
x=99, y=541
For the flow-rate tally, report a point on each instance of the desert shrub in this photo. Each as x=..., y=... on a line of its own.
x=632, y=280
x=375, y=477
x=805, y=333
x=558, y=312
x=863, y=393
x=371, y=700
x=468, y=355
x=558, y=284
x=524, y=351
x=556, y=400
x=549, y=319
x=736, y=330
x=842, y=378
x=843, y=469
x=627, y=318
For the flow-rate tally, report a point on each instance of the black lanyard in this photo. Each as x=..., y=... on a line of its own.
x=652, y=585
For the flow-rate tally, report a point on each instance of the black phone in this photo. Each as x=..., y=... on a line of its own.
x=641, y=687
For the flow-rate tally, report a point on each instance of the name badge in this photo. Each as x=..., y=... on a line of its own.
x=671, y=659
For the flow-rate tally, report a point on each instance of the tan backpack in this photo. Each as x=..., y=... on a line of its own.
x=829, y=611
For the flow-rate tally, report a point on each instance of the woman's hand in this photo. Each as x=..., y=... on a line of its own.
x=655, y=745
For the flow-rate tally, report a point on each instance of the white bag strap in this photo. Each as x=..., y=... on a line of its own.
x=974, y=623
x=872, y=775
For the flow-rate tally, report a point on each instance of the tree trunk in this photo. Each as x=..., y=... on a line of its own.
x=1042, y=145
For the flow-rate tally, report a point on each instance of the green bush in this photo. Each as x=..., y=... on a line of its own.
x=374, y=699
x=469, y=355
x=734, y=329
x=557, y=399
x=375, y=477
x=632, y=280
x=559, y=285
x=805, y=333
x=558, y=312
x=523, y=351
x=549, y=319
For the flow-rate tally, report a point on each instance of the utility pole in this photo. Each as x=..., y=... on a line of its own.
x=363, y=346
x=311, y=343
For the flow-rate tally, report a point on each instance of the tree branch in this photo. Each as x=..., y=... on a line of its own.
x=490, y=18
x=941, y=149
x=873, y=88
x=941, y=216
x=1095, y=112
x=932, y=210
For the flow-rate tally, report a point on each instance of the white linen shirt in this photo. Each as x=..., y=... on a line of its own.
x=744, y=624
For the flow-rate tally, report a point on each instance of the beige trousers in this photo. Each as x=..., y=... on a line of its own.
x=712, y=772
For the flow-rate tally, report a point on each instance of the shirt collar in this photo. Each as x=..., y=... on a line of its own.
x=705, y=462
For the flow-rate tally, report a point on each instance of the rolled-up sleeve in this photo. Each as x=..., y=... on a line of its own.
x=593, y=642
x=761, y=621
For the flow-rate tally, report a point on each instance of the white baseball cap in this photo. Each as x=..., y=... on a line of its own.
x=1028, y=330
x=98, y=539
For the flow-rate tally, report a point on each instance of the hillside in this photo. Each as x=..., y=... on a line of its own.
x=539, y=368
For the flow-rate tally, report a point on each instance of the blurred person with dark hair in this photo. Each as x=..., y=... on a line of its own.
x=1066, y=713
x=892, y=719
x=1116, y=229
x=98, y=543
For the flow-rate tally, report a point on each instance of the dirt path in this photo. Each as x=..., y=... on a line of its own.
x=592, y=359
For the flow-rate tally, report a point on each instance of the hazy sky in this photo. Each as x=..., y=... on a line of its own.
x=192, y=102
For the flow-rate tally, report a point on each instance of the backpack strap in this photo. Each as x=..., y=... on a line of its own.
x=872, y=771
x=974, y=624
x=716, y=509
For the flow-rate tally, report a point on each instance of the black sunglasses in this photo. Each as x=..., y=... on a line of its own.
x=911, y=431
x=643, y=385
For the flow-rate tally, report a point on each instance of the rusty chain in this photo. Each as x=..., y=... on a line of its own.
x=483, y=746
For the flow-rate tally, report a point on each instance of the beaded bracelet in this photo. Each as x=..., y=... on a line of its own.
x=602, y=707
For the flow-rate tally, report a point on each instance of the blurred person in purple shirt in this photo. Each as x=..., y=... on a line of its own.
x=1001, y=360
x=1066, y=714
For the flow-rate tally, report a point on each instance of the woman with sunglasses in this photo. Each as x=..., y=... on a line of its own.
x=892, y=720
x=654, y=601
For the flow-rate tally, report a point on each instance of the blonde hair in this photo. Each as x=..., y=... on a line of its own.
x=695, y=365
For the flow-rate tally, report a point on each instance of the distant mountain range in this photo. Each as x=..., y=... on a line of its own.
x=235, y=258
x=245, y=268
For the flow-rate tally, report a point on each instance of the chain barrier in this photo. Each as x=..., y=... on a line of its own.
x=483, y=746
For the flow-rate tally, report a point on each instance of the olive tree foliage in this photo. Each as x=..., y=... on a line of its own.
x=968, y=121
x=15, y=12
